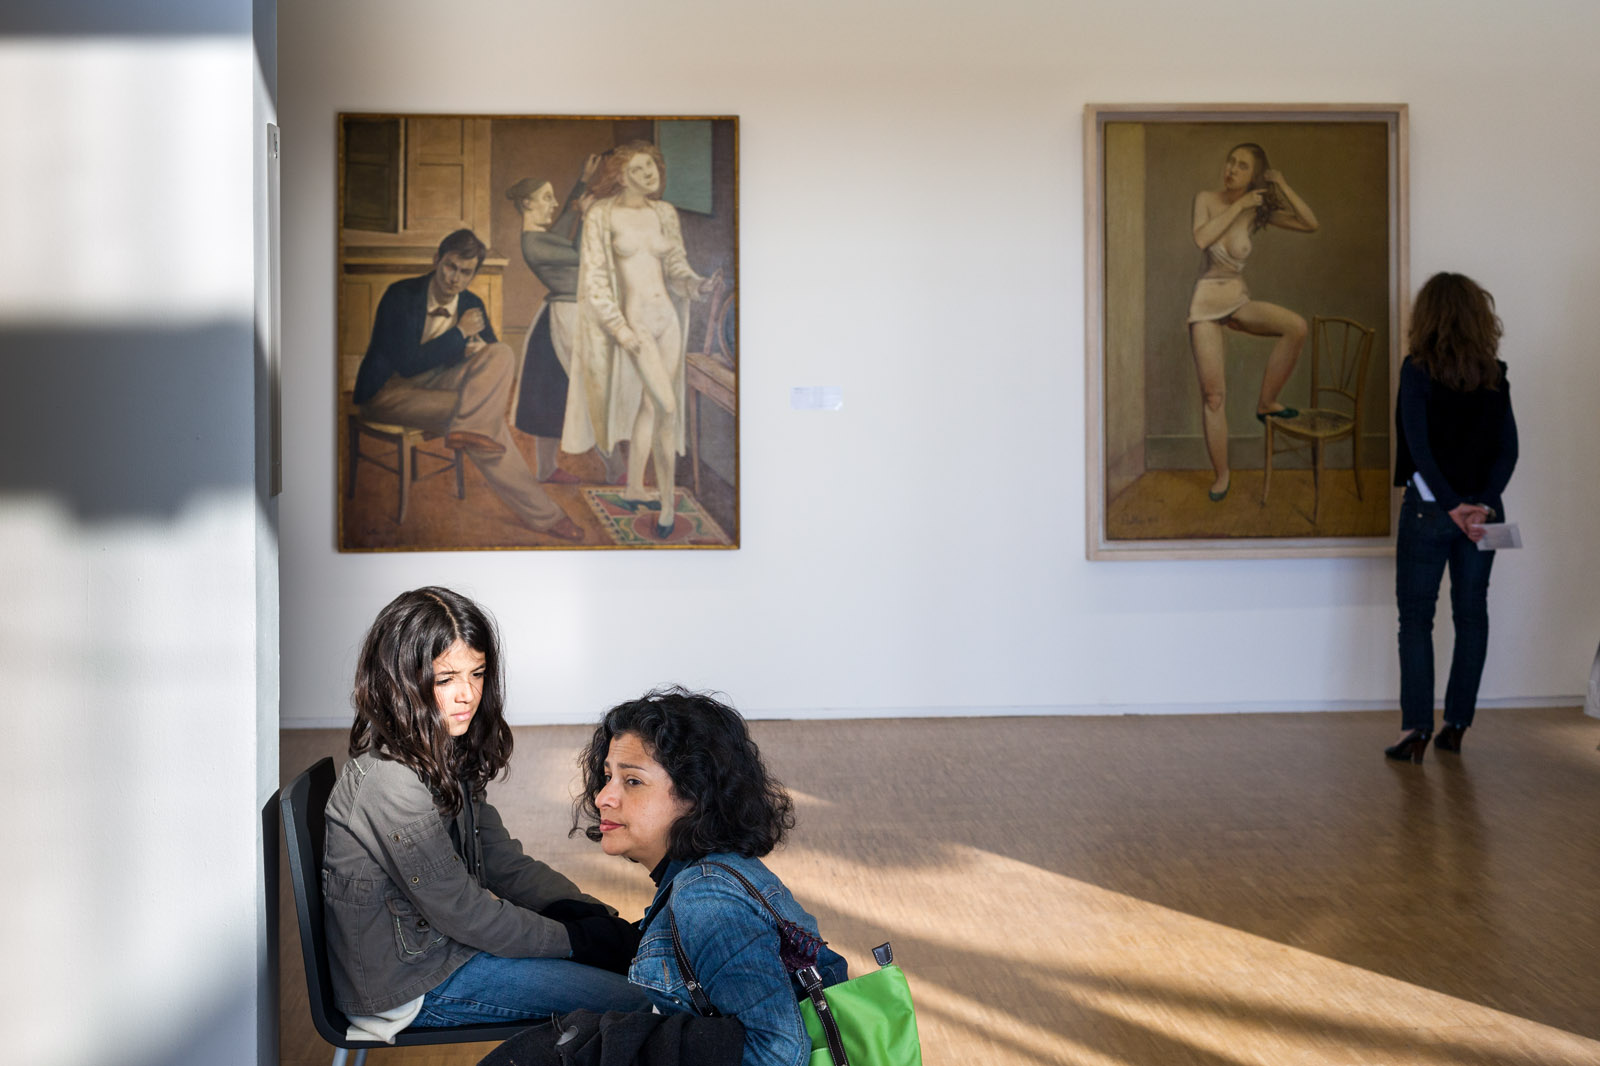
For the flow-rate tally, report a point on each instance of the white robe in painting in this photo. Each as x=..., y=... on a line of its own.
x=602, y=370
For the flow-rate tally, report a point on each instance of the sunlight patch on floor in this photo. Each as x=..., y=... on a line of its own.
x=1108, y=978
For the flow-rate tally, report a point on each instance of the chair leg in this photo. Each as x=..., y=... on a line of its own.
x=406, y=469
x=1316, y=482
x=694, y=440
x=461, y=476
x=342, y=1057
x=353, y=459
x=1266, y=477
x=1355, y=467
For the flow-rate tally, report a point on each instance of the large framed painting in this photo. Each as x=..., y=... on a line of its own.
x=1247, y=292
x=538, y=333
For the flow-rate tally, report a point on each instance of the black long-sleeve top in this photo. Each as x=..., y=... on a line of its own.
x=1464, y=444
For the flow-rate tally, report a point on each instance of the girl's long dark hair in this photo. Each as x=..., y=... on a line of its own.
x=397, y=712
x=1455, y=333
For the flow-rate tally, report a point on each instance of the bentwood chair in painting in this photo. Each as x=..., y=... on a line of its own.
x=1341, y=349
x=305, y=827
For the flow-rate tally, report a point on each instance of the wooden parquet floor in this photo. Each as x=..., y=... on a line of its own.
x=1207, y=890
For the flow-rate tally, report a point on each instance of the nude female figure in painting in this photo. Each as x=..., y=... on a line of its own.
x=1253, y=196
x=634, y=289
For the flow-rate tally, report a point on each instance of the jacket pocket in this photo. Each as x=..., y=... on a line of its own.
x=422, y=851
x=655, y=969
x=414, y=938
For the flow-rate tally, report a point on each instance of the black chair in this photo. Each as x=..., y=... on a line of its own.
x=304, y=825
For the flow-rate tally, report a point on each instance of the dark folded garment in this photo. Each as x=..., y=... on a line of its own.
x=623, y=1038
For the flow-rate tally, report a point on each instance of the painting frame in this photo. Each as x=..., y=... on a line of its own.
x=411, y=474
x=1122, y=502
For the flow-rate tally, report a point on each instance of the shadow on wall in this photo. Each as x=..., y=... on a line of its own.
x=148, y=18
x=115, y=421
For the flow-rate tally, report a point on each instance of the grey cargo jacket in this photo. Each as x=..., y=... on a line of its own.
x=403, y=911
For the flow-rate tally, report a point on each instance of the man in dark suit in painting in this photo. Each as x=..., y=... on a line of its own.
x=434, y=362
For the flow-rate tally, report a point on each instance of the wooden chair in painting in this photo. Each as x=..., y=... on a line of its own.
x=1341, y=349
x=409, y=457
x=712, y=372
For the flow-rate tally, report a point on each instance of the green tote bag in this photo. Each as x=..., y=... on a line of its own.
x=875, y=1022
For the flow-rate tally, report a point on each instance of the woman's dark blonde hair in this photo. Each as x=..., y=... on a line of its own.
x=1271, y=203
x=609, y=181
x=397, y=711
x=1455, y=334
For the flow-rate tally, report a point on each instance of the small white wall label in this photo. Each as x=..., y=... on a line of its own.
x=816, y=398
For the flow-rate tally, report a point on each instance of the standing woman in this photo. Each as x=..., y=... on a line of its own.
x=1252, y=197
x=1456, y=445
x=551, y=401
x=435, y=916
x=634, y=289
x=676, y=784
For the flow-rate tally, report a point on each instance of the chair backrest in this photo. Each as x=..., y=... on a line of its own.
x=1341, y=349
x=719, y=342
x=305, y=830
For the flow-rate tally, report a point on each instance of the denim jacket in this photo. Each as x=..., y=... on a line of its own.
x=405, y=905
x=732, y=946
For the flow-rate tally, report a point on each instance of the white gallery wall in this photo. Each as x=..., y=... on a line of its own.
x=139, y=578
x=912, y=232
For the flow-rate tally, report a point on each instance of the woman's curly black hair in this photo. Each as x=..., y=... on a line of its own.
x=705, y=747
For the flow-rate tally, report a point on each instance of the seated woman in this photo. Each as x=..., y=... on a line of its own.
x=677, y=785
x=435, y=916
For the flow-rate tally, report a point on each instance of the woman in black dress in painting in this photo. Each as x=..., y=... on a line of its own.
x=547, y=402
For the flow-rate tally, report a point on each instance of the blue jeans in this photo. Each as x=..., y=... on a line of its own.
x=489, y=988
x=1428, y=541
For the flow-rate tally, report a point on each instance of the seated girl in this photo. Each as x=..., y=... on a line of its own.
x=677, y=785
x=435, y=917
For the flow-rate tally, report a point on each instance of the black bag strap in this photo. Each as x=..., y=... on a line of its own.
x=808, y=976
x=811, y=981
x=697, y=993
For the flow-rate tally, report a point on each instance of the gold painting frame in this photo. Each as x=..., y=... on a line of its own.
x=419, y=464
x=1152, y=466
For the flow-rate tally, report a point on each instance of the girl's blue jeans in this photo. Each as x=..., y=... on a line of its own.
x=488, y=988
